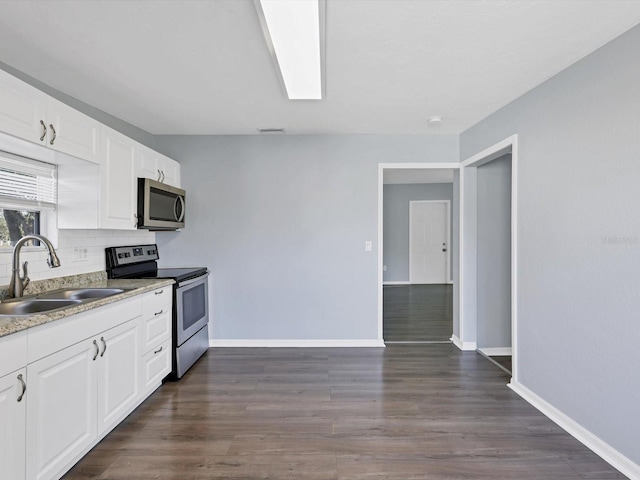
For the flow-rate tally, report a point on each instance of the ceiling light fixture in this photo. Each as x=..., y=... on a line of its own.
x=294, y=32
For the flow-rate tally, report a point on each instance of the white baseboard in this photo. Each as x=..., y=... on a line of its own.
x=496, y=351
x=591, y=441
x=463, y=345
x=294, y=343
x=403, y=282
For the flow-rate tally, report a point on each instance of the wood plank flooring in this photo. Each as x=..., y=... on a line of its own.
x=417, y=313
x=400, y=413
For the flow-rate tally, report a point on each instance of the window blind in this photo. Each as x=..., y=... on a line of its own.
x=26, y=184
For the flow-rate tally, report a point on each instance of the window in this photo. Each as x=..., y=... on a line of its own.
x=27, y=195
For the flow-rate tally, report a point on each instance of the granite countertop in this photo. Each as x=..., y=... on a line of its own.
x=14, y=324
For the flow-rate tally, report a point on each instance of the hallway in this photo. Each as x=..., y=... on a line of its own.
x=417, y=313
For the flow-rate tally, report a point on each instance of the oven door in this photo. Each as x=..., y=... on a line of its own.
x=192, y=307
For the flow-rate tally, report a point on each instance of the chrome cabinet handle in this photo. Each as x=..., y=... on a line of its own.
x=159, y=175
x=135, y=224
x=105, y=346
x=95, y=344
x=24, y=387
x=162, y=172
x=159, y=292
x=53, y=139
x=158, y=313
x=44, y=130
x=157, y=351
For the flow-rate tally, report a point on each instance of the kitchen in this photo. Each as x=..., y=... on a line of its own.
x=239, y=190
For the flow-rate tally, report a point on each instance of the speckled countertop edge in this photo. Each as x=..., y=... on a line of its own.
x=14, y=324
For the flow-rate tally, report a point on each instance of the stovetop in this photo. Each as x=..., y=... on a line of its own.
x=140, y=261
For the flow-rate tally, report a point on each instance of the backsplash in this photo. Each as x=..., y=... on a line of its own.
x=80, y=251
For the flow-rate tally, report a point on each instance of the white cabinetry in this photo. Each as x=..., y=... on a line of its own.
x=61, y=410
x=12, y=424
x=78, y=392
x=151, y=164
x=117, y=202
x=118, y=374
x=30, y=114
x=156, y=337
x=13, y=399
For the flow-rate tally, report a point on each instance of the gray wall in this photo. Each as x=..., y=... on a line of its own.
x=579, y=238
x=123, y=127
x=396, y=223
x=494, y=253
x=281, y=221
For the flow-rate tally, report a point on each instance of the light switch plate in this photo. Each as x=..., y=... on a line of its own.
x=368, y=246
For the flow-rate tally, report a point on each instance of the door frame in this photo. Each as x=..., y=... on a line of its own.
x=381, y=168
x=468, y=247
x=447, y=227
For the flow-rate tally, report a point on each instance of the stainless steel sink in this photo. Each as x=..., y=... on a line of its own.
x=47, y=302
x=81, y=293
x=34, y=305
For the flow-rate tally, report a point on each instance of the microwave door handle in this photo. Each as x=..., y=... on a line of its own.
x=179, y=217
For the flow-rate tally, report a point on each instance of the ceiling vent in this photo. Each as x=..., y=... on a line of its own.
x=269, y=131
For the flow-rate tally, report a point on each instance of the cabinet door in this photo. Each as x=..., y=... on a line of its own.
x=12, y=425
x=171, y=171
x=118, y=366
x=72, y=132
x=147, y=165
x=22, y=108
x=117, y=182
x=61, y=411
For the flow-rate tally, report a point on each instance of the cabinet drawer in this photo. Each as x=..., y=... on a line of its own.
x=155, y=366
x=51, y=337
x=155, y=329
x=160, y=299
x=13, y=352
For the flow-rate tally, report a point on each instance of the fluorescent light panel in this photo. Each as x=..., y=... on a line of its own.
x=294, y=28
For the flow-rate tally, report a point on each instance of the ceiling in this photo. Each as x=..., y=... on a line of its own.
x=202, y=67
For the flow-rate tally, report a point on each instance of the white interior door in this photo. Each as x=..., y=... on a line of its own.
x=429, y=242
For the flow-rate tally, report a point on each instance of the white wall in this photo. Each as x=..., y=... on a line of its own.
x=579, y=239
x=282, y=222
x=93, y=241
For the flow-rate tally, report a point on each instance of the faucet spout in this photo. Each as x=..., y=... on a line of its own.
x=18, y=284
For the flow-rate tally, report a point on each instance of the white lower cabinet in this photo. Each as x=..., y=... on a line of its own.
x=83, y=375
x=61, y=409
x=118, y=374
x=12, y=424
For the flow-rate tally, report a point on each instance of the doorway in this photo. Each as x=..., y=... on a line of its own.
x=416, y=204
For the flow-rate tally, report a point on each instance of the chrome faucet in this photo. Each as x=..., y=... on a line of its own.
x=17, y=284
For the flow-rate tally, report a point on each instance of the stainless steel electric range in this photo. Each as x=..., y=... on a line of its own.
x=190, y=299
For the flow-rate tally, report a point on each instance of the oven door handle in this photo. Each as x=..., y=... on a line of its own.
x=191, y=281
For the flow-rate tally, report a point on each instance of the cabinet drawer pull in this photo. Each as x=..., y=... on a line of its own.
x=24, y=388
x=44, y=130
x=159, y=313
x=95, y=344
x=157, y=351
x=159, y=292
x=105, y=346
x=53, y=139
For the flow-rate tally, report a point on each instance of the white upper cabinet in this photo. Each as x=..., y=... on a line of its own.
x=151, y=164
x=30, y=114
x=72, y=132
x=117, y=202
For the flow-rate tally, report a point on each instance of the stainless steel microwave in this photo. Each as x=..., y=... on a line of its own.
x=160, y=206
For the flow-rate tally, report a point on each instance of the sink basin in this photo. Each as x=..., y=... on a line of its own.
x=81, y=293
x=34, y=305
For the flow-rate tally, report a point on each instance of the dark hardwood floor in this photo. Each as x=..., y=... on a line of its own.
x=417, y=313
x=401, y=413
x=504, y=360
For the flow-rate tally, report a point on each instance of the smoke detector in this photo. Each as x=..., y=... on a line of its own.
x=434, y=121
